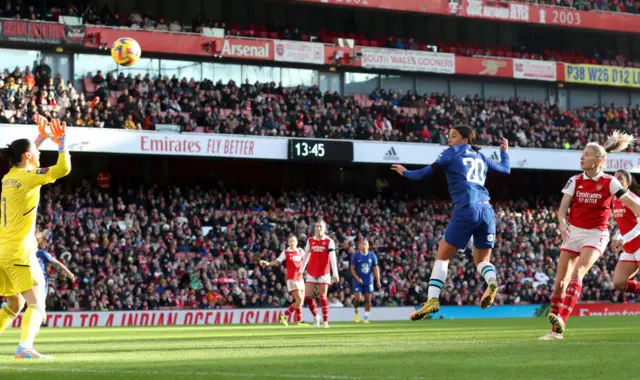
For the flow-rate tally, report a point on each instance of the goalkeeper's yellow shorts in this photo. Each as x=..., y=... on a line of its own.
x=18, y=270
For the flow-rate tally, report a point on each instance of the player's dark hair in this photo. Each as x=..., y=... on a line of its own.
x=14, y=151
x=468, y=133
x=634, y=186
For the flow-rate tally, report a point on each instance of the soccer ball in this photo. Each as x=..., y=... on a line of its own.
x=126, y=51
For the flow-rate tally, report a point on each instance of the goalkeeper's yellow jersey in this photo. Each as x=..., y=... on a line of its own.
x=19, y=201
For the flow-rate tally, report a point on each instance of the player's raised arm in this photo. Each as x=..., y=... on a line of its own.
x=43, y=176
x=64, y=268
x=443, y=161
x=504, y=166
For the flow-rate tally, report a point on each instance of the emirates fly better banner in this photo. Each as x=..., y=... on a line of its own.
x=408, y=60
x=159, y=143
x=97, y=140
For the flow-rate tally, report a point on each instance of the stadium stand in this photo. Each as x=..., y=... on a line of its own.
x=146, y=21
x=267, y=109
x=134, y=250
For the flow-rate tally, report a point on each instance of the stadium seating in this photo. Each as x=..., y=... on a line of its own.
x=137, y=254
x=140, y=21
x=263, y=109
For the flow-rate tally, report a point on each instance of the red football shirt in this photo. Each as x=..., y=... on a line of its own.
x=591, y=200
x=627, y=221
x=322, y=256
x=293, y=261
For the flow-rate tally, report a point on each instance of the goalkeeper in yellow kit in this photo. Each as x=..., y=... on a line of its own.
x=19, y=269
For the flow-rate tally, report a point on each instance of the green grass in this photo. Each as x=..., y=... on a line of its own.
x=594, y=348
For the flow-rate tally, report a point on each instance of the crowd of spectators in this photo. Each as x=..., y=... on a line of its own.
x=123, y=101
x=392, y=115
x=193, y=247
x=24, y=93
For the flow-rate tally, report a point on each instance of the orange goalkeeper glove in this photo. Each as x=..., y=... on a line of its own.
x=42, y=130
x=59, y=132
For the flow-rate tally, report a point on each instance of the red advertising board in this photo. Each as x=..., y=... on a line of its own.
x=32, y=31
x=319, y=54
x=492, y=67
x=431, y=6
x=504, y=11
x=186, y=44
x=605, y=309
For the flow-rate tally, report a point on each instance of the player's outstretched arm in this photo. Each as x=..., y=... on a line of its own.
x=274, y=263
x=64, y=269
x=415, y=175
x=443, y=161
x=62, y=168
x=504, y=166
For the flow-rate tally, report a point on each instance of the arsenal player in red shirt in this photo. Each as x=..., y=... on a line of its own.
x=585, y=233
x=292, y=257
x=627, y=239
x=321, y=265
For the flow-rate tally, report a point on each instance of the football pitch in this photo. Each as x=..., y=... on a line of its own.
x=593, y=348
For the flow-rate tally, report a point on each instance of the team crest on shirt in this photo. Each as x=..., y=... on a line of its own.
x=599, y=187
x=42, y=171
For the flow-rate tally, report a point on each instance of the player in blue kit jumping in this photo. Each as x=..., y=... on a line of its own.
x=364, y=267
x=45, y=258
x=466, y=170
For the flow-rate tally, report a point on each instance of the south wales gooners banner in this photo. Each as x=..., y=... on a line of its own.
x=408, y=60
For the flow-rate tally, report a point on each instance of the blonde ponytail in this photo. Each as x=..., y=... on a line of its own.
x=618, y=141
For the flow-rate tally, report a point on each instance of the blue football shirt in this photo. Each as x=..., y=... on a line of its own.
x=364, y=265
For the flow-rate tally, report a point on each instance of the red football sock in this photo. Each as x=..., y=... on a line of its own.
x=297, y=317
x=324, y=302
x=571, y=298
x=290, y=310
x=633, y=287
x=311, y=303
x=556, y=300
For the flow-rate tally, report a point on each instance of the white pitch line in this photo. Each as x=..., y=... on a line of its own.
x=187, y=373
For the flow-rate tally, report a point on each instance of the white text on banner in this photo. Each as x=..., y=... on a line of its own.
x=534, y=70
x=199, y=317
x=299, y=52
x=408, y=60
x=159, y=143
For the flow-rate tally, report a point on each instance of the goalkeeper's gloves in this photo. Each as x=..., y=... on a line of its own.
x=59, y=133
